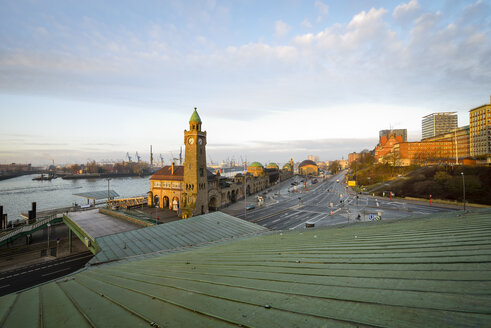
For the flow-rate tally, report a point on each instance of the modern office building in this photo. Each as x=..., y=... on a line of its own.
x=420, y=153
x=480, y=131
x=402, y=133
x=460, y=138
x=438, y=123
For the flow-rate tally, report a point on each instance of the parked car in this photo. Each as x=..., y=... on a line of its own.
x=250, y=207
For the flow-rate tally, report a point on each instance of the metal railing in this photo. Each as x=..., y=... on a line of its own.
x=27, y=228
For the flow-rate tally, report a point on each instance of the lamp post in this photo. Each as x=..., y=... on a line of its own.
x=463, y=186
x=47, y=251
x=245, y=195
x=108, y=192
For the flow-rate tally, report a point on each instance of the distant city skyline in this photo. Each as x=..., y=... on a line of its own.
x=272, y=80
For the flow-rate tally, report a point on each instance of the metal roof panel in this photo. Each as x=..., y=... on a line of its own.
x=199, y=230
x=432, y=271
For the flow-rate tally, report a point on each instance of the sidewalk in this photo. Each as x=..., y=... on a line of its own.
x=21, y=256
x=419, y=201
x=269, y=195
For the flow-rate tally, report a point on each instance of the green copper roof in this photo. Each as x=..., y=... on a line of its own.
x=195, y=117
x=287, y=166
x=256, y=164
x=422, y=272
x=175, y=236
x=272, y=165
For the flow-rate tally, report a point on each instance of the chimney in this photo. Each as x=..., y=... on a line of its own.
x=172, y=168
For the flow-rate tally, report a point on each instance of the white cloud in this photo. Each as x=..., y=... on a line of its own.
x=406, y=11
x=306, y=23
x=366, y=19
x=259, y=52
x=321, y=75
x=304, y=39
x=476, y=12
x=281, y=28
x=321, y=7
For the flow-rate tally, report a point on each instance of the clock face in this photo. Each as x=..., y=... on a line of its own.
x=200, y=141
x=190, y=141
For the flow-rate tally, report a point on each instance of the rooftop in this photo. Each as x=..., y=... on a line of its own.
x=176, y=236
x=96, y=224
x=256, y=164
x=96, y=195
x=307, y=162
x=195, y=117
x=432, y=271
x=166, y=173
x=441, y=113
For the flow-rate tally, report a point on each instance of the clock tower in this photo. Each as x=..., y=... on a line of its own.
x=195, y=186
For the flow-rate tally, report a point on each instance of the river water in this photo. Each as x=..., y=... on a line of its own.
x=17, y=194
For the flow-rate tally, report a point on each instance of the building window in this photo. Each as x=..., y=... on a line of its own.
x=201, y=172
x=156, y=184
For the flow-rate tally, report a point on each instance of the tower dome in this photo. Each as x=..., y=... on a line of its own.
x=256, y=164
x=195, y=117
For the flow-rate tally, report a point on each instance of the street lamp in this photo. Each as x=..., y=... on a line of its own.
x=47, y=251
x=108, y=192
x=463, y=186
x=245, y=195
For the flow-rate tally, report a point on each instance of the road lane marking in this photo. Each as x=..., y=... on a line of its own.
x=4, y=286
x=50, y=273
x=320, y=217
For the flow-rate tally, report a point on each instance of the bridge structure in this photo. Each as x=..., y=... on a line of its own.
x=87, y=225
x=29, y=228
x=85, y=221
x=127, y=203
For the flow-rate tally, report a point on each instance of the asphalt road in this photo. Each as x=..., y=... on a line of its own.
x=18, y=279
x=321, y=205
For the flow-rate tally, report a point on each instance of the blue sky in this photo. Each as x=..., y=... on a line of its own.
x=84, y=80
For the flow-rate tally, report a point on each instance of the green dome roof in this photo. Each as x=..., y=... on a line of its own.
x=195, y=117
x=256, y=164
x=287, y=166
x=272, y=165
x=307, y=162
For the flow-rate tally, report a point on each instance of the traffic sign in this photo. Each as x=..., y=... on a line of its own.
x=371, y=217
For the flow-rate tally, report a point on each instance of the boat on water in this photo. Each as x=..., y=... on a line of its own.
x=43, y=177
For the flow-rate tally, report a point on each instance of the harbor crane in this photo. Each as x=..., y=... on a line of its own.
x=129, y=157
x=151, y=156
x=174, y=159
x=161, y=160
x=138, y=158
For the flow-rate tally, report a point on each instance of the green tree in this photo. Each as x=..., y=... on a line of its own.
x=75, y=168
x=92, y=167
x=334, y=167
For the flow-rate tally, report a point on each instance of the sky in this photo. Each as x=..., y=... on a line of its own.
x=93, y=80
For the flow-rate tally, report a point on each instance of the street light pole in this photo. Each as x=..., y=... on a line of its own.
x=463, y=186
x=47, y=251
x=108, y=192
x=245, y=195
